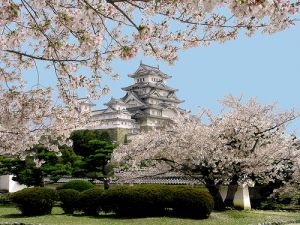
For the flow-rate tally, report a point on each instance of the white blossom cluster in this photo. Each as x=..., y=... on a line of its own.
x=89, y=33
x=246, y=144
x=71, y=36
x=30, y=118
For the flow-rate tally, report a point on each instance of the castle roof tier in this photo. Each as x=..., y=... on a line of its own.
x=116, y=104
x=157, y=85
x=164, y=99
x=145, y=70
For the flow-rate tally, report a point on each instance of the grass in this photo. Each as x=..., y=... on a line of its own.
x=233, y=217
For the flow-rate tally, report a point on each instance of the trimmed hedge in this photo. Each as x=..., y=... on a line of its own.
x=69, y=200
x=141, y=200
x=4, y=199
x=91, y=201
x=148, y=200
x=34, y=201
x=78, y=185
x=192, y=202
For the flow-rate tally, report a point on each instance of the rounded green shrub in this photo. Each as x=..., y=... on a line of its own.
x=4, y=199
x=135, y=201
x=297, y=198
x=91, y=201
x=158, y=200
x=270, y=204
x=192, y=202
x=78, y=185
x=285, y=199
x=34, y=201
x=69, y=200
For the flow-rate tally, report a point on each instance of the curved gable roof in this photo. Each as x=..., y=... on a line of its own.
x=144, y=70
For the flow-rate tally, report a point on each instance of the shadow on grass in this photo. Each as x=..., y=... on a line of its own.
x=112, y=216
x=124, y=217
x=13, y=215
x=20, y=215
x=109, y=216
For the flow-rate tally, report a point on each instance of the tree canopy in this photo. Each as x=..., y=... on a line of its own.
x=71, y=36
x=245, y=144
x=40, y=164
x=89, y=159
x=95, y=147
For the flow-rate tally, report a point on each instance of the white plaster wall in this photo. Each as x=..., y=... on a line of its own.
x=149, y=78
x=163, y=93
x=6, y=183
x=168, y=113
x=155, y=112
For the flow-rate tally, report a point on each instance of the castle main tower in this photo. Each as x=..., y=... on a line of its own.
x=148, y=103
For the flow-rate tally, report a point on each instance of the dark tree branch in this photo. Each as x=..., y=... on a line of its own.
x=43, y=58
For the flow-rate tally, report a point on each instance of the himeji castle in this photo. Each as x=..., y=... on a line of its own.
x=149, y=102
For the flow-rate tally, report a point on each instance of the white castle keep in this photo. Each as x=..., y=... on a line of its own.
x=149, y=102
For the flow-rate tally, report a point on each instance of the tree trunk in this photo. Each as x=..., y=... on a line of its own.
x=214, y=191
x=106, y=183
x=232, y=188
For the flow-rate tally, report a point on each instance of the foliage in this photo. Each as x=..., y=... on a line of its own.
x=39, y=164
x=96, y=163
x=25, y=171
x=147, y=200
x=91, y=201
x=69, y=199
x=43, y=163
x=70, y=37
x=297, y=197
x=5, y=199
x=10, y=215
x=244, y=145
x=81, y=140
x=158, y=200
x=78, y=185
x=141, y=200
x=285, y=197
x=192, y=202
x=261, y=193
x=96, y=148
x=34, y=201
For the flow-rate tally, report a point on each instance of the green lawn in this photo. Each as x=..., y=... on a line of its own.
x=10, y=214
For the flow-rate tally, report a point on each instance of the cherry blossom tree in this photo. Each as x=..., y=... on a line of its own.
x=28, y=118
x=244, y=145
x=71, y=36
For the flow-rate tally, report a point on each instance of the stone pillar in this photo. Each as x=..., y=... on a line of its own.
x=241, y=198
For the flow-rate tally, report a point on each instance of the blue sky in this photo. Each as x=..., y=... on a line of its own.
x=263, y=66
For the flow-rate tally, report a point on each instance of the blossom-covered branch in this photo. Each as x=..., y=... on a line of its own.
x=90, y=33
x=72, y=36
x=245, y=143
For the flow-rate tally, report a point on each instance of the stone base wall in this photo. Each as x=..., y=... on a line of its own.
x=118, y=135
